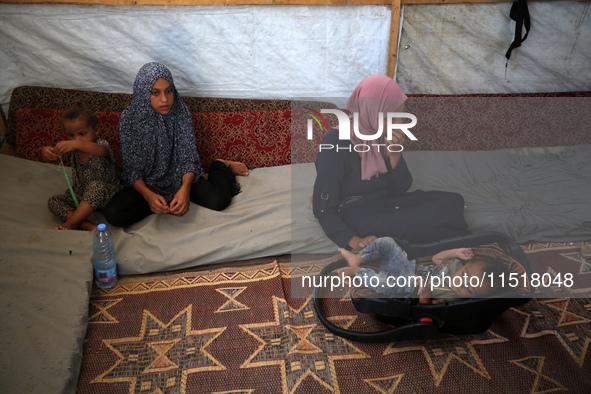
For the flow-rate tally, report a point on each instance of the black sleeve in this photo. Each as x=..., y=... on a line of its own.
x=400, y=178
x=330, y=172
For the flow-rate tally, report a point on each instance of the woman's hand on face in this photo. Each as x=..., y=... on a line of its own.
x=180, y=203
x=158, y=204
x=357, y=243
x=394, y=153
x=397, y=137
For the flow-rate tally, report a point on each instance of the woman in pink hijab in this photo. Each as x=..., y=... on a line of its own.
x=361, y=185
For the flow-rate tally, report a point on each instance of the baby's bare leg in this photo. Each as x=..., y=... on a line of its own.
x=353, y=259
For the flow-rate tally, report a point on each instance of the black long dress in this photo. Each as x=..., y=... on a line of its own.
x=346, y=206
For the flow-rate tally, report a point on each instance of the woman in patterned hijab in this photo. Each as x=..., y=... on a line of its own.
x=161, y=170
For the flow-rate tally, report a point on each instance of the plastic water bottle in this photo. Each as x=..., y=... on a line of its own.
x=104, y=261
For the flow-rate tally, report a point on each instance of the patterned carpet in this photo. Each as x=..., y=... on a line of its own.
x=236, y=329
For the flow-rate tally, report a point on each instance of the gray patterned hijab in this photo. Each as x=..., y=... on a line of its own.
x=158, y=149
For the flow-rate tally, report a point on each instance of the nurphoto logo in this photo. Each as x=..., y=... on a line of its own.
x=345, y=128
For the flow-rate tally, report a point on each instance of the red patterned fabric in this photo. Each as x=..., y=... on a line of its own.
x=62, y=99
x=475, y=122
x=263, y=133
x=238, y=328
x=58, y=99
x=483, y=122
x=39, y=127
x=109, y=130
x=256, y=138
x=303, y=149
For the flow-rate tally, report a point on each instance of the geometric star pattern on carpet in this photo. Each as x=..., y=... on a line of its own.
x=542, y=383
x=231, y=305
x=554, y=284
x=161, y=357
x=441, y=351
x=578, y=257
x=102, y=316
x=385, y=385
x=300, y=345
x=164, y=284
x=569, y=319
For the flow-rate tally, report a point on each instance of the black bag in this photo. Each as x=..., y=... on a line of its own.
x=412, y=320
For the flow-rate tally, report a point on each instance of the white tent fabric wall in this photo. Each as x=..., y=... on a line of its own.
x=232, y=51
x=293, y=51
x=460, y=48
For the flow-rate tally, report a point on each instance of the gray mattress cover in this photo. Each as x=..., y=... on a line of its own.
x=537, y=194
x=44, y=293
x=531, y=194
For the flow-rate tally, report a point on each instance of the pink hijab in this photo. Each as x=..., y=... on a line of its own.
x=376, y=93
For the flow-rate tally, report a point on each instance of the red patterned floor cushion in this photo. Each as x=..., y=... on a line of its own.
x=265, y=138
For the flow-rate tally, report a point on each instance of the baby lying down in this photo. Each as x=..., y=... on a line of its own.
x=452, y=274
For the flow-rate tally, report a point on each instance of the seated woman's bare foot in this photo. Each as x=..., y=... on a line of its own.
x=237, y=167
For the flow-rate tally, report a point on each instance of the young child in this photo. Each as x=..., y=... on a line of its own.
x=94, y=177
x=460, y=265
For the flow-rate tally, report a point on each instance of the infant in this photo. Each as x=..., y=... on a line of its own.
x=453, y=273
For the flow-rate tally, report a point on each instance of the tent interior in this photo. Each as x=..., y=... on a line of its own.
x=281, y=50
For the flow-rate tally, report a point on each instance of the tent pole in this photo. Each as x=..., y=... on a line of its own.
x=394, y=32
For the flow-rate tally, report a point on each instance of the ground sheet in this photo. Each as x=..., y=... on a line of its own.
x=235, y=329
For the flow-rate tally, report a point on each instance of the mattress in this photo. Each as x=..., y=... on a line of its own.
x=530, y=194
x=45, y=283
x=539, y=194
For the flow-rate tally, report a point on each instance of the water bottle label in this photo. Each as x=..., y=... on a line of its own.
x=105, y=276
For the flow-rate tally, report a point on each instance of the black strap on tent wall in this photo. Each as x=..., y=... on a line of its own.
x=520, y=14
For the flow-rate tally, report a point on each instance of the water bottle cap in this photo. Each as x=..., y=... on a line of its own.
x=102, y=227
